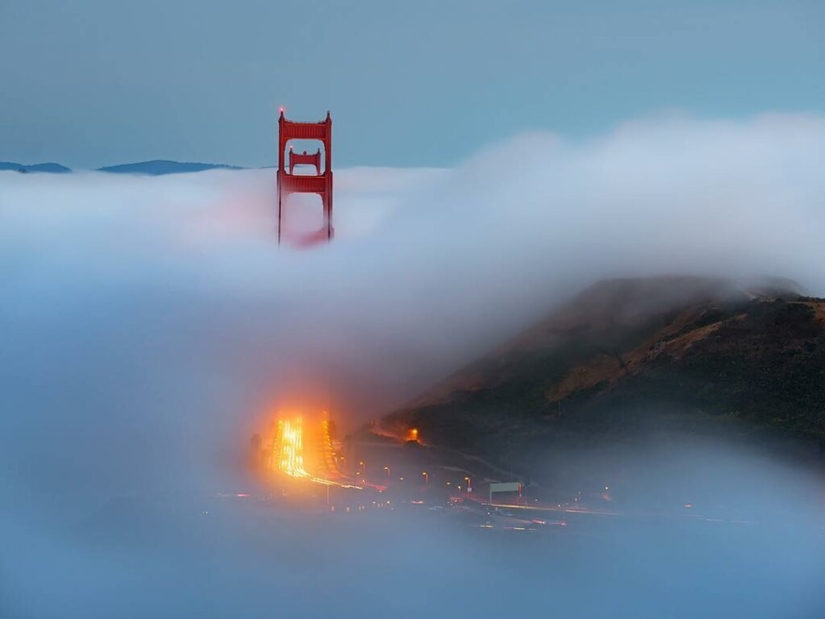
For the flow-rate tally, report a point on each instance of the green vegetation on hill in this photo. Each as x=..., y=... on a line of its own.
x=630, y=357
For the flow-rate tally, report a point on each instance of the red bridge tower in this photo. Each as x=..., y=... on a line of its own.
x=320, y=183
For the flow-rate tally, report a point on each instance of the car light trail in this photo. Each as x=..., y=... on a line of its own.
x=289, y=451
x=290, y=444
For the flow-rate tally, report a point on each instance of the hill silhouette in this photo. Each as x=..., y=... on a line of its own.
x=54, y=168
x=157, y=167
x=160, y=167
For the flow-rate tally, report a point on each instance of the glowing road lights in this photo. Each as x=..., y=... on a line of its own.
x=386, y=468
x=426, y=478
x=290, y=446
x=294, y=440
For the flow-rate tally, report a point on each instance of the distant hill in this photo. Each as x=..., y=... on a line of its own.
x=627, y=357
x=159, y=167
x=54, y=168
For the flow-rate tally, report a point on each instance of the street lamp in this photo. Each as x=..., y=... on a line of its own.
x=386, y=468
x=426, y=478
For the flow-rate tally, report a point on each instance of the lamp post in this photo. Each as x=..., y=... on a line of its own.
x=469, y=484
x=386, y=468
x=426, y=478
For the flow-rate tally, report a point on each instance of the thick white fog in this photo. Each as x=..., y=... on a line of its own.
x=149, y=324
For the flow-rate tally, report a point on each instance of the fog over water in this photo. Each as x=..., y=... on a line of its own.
x=150, y=324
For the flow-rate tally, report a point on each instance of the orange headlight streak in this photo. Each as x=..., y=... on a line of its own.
x=289, y=450
x=291, y=447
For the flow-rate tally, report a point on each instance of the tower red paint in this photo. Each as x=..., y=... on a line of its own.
x=320, y=183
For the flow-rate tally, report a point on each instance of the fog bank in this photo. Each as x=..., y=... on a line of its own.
x=150, y=323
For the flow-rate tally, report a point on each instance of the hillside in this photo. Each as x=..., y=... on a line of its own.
x=627, y=359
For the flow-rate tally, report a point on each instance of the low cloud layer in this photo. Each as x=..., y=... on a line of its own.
x=150, y=324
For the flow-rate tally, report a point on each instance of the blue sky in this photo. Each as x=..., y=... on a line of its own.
x=427, y=83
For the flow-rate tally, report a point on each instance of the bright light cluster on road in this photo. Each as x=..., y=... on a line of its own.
x=290, y=447
x=296, y=447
